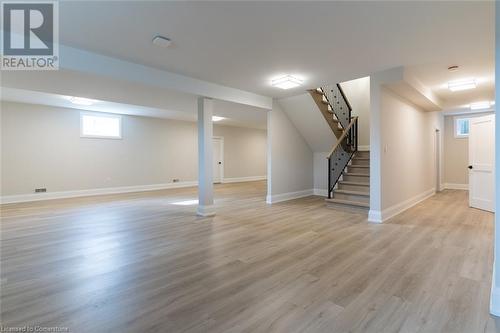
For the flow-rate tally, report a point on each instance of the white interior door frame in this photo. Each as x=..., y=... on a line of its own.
x=482, y=162
x=438, y=159
x=221, y=166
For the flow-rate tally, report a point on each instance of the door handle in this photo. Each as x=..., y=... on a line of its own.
x=470, y=167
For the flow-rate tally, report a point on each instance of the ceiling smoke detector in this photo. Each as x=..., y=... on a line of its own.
x=162, y=41
x=453, y=68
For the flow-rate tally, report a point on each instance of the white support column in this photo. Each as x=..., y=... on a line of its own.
x=495, y=280
x=205, y=157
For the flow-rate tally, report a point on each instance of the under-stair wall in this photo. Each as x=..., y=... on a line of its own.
x=289, y=158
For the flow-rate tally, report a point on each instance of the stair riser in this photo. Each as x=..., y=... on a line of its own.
x=358, y=179
x=353, y=169
x=357, y=188
x=360, y=162
x=351, y=197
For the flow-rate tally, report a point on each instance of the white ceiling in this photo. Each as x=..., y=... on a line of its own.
x=244, y=44
x=437, y=75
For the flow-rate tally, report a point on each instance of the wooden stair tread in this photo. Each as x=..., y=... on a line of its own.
x=356, y=174
x=349, y=202
x=350, y=192
x=348, y=182
x=359, y=166
x=361, y=158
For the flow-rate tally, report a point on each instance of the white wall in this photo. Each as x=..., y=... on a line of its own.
x=403, y=150
x=290, y=160
x=403, y=164
x=244, y=151
x=321, y=173
x=358, y=94
x=408, y=155
x=309, y=121
x=41, y=147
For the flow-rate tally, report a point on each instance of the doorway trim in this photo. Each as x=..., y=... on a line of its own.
x=438, y=159
x=221, y=138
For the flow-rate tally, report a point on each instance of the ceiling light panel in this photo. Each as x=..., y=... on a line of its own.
x=286, y=82
x=480, y=105
x=462, y=85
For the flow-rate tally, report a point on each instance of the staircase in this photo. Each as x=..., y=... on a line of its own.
x=348, y=168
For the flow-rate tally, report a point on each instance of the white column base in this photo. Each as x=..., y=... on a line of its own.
x=206, y=210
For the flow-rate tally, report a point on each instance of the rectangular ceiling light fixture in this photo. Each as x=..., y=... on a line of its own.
x=480, y=105
x=462, y=85
x=286, y=82
x=217, y=118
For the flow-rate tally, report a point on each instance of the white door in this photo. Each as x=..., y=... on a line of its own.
x=482, y=162
x=218, y=157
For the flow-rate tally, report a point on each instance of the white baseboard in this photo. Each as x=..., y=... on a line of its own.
x=97, y=191
x=270, y=199
x=363, y=148
x=321, y=192
x=452, y=186
x=7, y=199
x=244, y=179
x=382, y=216
x=375, y=216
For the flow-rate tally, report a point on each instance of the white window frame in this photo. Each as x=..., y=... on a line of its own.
x=455, y=127
x=103, y=115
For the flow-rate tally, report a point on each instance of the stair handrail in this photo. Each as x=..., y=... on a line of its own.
x=345, y=98
x=342, y=137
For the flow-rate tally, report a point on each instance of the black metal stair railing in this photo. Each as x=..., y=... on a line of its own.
x=342, y=153
x=339, y=104
x=347, y=144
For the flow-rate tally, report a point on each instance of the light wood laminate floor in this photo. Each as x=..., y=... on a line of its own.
x=145, y=263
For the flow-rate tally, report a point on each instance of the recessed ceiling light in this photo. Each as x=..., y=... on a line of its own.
x=81, y=101
x=217, y=118
x=462, y=85
x=162, y=41
x=480, y=105
x=286, y=82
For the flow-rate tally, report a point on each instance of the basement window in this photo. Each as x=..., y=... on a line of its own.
x=105, y=126
x=461, y=127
